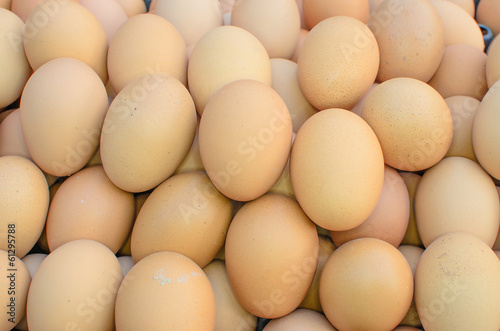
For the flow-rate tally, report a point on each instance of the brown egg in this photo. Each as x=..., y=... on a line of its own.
x=374, y=4
x=410, y=36
x=89, y=206
x=15, y=284
x=412, y=123
x=147, y=132
x=358, y=107
x=172, y=289
x=411, y=236
x=23, y=8
x=5, y=113
x=337, y=169
x=298, y=46
x=61, y=142
x=485, y=133
x=192, y=18
x=143, y=46
x=185, y=214
x=271, y=255
x=412, y=255
x=457, y=195
x=487, y=14
x=15, y=67
x=192, y=161
x=284, y=184
x=230, y=314
x=459, y=26
x=5, y=4
x=463, y=110
x=311, y=300
x=109, y=13
x=316, y=11
x=275, y=23
x=68, y=30
x=389, y=220
x=467, y=5
x=11, y=136
x=457, y=284
x=24, y=201
x=139, y=202
x=366, y=284
x=285, y=82
x=300, y=319
x=133, y=7
x=493, y=62
x=338, y=63
x=245, y=139
x=453, y=78
x=223, y=55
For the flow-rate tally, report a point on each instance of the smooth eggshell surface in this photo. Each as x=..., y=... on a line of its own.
x=300, y=319
x=493, y=62
x=411, y=236
x=11, y=136
x=316, y=11
x=487, y=14
x=109, y=13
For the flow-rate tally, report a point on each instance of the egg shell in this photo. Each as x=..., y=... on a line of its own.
x=23, y=8
x=300, y=319
x=174, y=291
x=133, y=7
x=271, y=255
x=467, y=5
x=459, y=26
x=338, y=63
x=300, y=41
x=24, y=201
x=223, y=55
x=493, y=62
x=64, y=28
x=485, y=133
x=457, y=284
x=358, y=107
x=185, y=214
x=245, y=139
x=284, y=184
x=109, y=13
x=412, y=254
x=412, y=122
x=487, y=14
x=61, y=142
x=139, y=199
x=411, y=236
x=337, y=169
x=389, y=220
x=5, y=112
x=147, y=132
x=366, y=284
x=146, y=45
x=11, y=136
x=230, y=314
x=89, y=206
x=463, y=110
x=410, y=36
x=316, y=11
x=192, y=18
x=275, y=23
x=453, y=78
x=457, y=195
x=192, y=161
x=55, y=303
x=5, y=4
x=15, y=67
x=15, y=284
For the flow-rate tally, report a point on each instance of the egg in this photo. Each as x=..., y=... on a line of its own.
x=485, y=135
x=11, y=136
x=15, y=284
x=156, y=111
x=410, y=36
x=23, y=8
x=284, y=184
x=223, y=55
x=172, y=289
x=5, y=113
x=275, y=23
x=55, y=303
x=374, y=4
x=245, y=139
x=487, y=14
x=389, y=220
x=192, y=18
x=457, y=284
x=285, y=82
x=358, y=107
x=337, y=169
x=63, y=28
x=300, y=319
x=411, y=181
x=16, y=69
x=463, y=110
x=412, y=254
x=5, y=4
x=88, y=205
x=109, y=13
x=316, y=11
x=230, y=314
x=453, y=78
x=185, y=214
x=459, y=26
x=24, y=202
x=468, y=5
x=411, y=121
x=338, y=63
x=457, y=195
x=133, y=7
x=61, y=142
x=366, y=284
x=298, y=46
x=126, y=263
x=139, y=199
x=143, y=46
x=493, y=63
x=192, y=161
x=271, y=255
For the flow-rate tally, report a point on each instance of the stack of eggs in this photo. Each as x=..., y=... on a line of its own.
x=249, y=164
